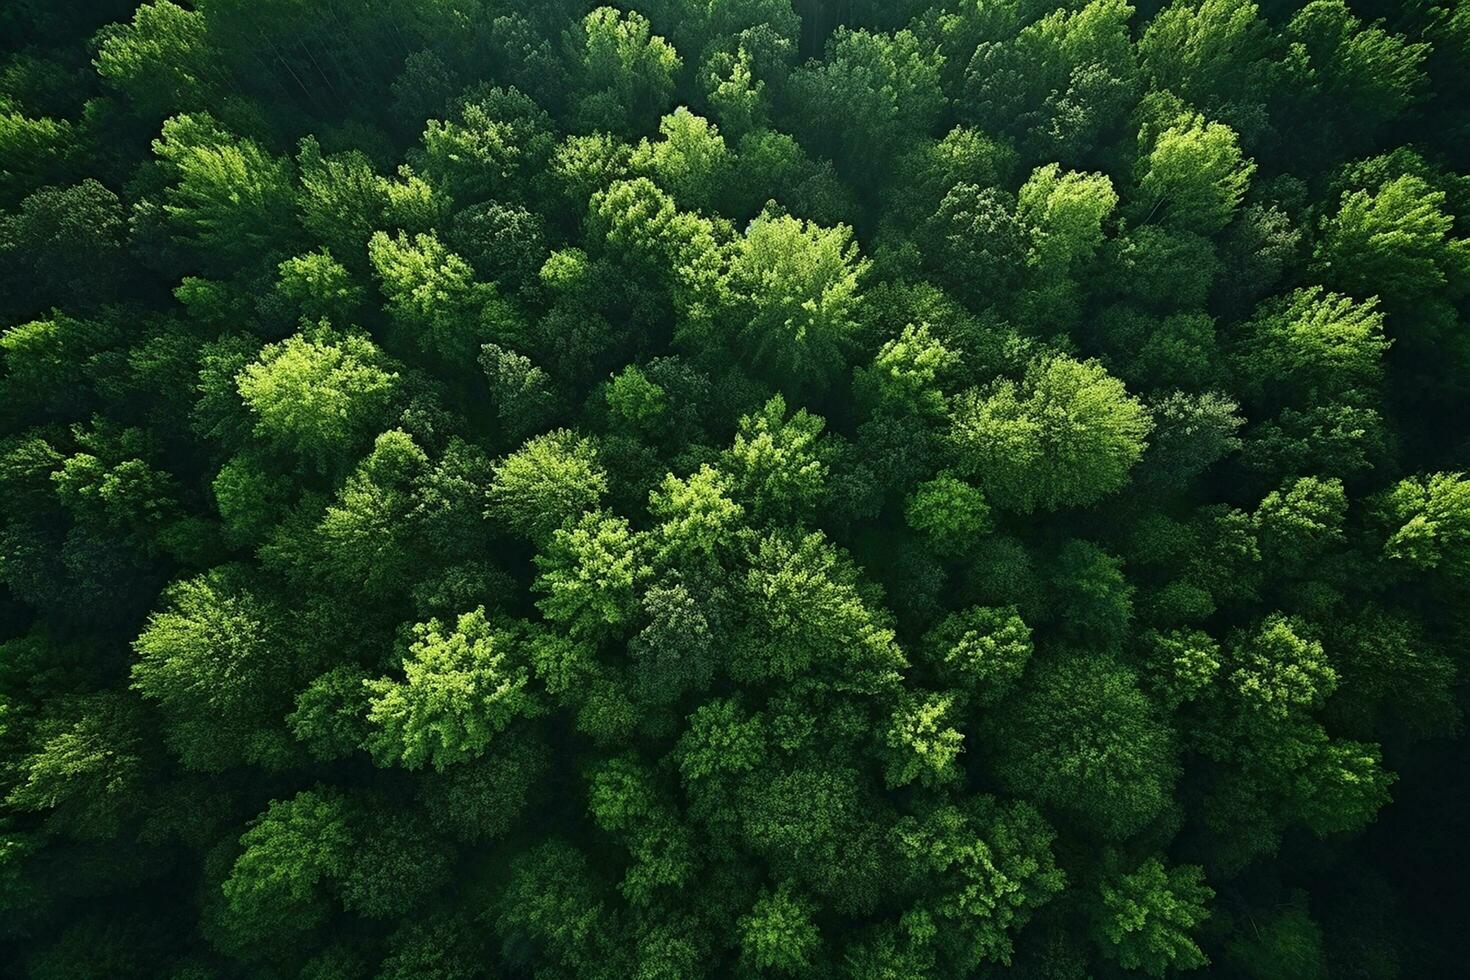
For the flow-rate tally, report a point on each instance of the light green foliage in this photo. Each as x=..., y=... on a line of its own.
x=948, y=513
x=31, y=148
x=1429, y=522
x=626, y=71
x=696, y=515
x=320, y=287
x=293, y=851
x=639, y=224
x=908, y=373
x=1065, y=437
x=987, y=866
x=1278, y=669
x=1311, y=347
x=583, y=165
x=229, y=198
x=921, y=746
x=1063, y=213
x=734, y=93
x=1397, y=242
x=794, y=297
x=432, y=294
x=462, y=685
x=162, y=60
x=806, y=611
x=549, y=480
x=778, y=466
x=635, y=399
x=217, y=661
x=1193, y=175
x=778, y=933
x=588, y=570
x=981, y=650
x=1144, y=917
x=691, y=162
x=316, y=396
x=1301, y=520
x=361, y=535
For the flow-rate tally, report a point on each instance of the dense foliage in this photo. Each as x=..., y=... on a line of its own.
x=869, y=489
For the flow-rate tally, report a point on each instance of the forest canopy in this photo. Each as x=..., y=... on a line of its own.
x=866, y=489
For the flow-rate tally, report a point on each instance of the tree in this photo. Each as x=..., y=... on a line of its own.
x=1063, y=215
x=794, y=298
x=1302, y=520
x=588, y=569
x=360, y=541
x=433, y=295
x=1396, y=243
x=907, y=374
x=1065, y=437
x=1192, y=175
x=551, y=479
x=1081, y=737
x=1144, y=917
x=85, y=769
x=462, y=685
x=884, y=87
x=778, y=466
x=316, y=396
x=229, y=199
x=496, y=144
x=696, y=515
x=625, y=72
x=64, y=244
x=162, y=61
x=691, y=162
x=219, y=662
x=1352, y=72
x=920, y=747
x=288, y=858
x=948, y=513
x=1214, y=54
x=1057, y=82
x=983, y=870
x=319, y=287
x=1279, y=668
x=1429, y=518
x=778, y=933
x=806, y=612
x=982, y=651
x=1310, y=347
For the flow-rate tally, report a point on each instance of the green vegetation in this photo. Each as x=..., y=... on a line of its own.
x=880, y=489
